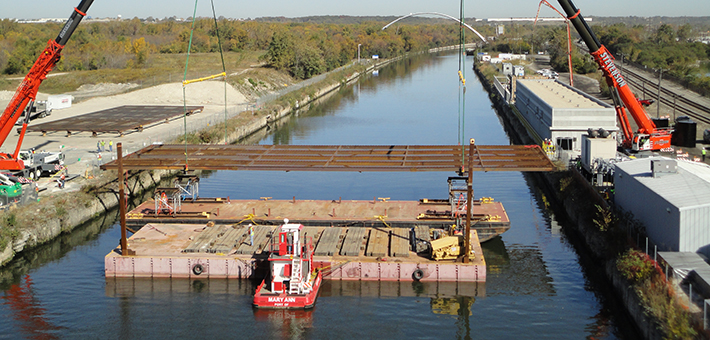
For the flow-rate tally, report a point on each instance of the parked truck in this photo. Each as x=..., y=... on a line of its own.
x=40, y=163
x=39, y=109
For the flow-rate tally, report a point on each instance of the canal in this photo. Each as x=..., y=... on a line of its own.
x=538, y=285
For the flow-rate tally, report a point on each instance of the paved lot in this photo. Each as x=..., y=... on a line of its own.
x=82, y=154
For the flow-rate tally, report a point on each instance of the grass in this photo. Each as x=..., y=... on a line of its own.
x=657, y=297
x=159, y=69
x=8, y=229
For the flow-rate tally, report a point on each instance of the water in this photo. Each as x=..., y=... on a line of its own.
x=536, y=285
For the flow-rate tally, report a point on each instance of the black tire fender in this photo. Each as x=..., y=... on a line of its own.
x=198, y=269
x=418, y=274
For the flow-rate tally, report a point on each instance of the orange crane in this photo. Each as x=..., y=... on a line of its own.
x=27, y=91
x=648, y=136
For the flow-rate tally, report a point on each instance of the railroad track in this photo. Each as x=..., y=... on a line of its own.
x=683, y=106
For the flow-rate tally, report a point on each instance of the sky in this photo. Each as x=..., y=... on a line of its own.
x=33, y=9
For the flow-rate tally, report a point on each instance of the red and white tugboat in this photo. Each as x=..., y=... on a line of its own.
x=292, y=283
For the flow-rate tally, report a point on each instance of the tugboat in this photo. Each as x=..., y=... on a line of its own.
x=292, y=283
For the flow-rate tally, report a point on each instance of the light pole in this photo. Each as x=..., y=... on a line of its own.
x=358, y=53
x=658, y=107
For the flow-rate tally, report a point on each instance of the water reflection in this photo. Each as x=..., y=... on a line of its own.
x=402, y=289
x=495, y=253
x=28, y=311
x=445, y=296
x=12, y=273
x=287, y=323
x=286, y=130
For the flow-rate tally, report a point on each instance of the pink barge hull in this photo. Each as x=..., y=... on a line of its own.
x=227, y=252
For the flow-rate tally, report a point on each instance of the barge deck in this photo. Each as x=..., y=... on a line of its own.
x=343, y=253
x=489, y=218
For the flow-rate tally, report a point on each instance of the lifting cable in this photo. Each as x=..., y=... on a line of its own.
x=224, y=69
x=569, y=35
x=184, y=78
x=462, y=84
x=186, y=82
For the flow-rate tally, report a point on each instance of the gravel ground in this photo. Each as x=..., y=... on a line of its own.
x=82, y=156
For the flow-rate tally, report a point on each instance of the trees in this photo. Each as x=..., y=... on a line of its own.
x=280, y=54
x=303, y=49
x=140, y=50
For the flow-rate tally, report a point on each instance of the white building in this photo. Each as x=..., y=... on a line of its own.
x=512, y=56
x=562, y=113
x=673, y=206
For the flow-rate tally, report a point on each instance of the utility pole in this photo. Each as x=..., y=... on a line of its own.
x=358, y=53
x=658, y=107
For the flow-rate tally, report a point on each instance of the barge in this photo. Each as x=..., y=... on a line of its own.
x=342, y=253
x=181, y=205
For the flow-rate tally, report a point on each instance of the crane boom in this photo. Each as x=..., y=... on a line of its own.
x=27, y=91
x=648, y=137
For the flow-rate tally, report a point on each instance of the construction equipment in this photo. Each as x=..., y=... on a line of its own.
x=39, y=109
x=648, y=136
x=448, y=248
x=38, y=163
x=27, y=91
x=12, y=192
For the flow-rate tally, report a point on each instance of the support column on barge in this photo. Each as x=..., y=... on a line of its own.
x=469, y=201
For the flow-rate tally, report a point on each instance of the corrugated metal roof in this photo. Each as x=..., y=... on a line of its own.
x=688, y=188
x=684, y=262
x=557, y=95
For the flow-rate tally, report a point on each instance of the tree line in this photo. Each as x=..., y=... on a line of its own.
x=664, y=46
x=305, y=48
x=302, y=49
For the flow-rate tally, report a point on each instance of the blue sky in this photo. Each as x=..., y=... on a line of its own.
x=29, y=9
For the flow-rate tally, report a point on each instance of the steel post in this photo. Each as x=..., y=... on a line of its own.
x=122, y=200
x=469, y=201
x=690, y=294
x=658, y=107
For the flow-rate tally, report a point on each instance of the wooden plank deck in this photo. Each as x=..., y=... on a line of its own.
x=378, y=242
x=421, y=238
x=229, y=240
x=328, y=243
x=261, y=240
x=159, y=252
x=354, y=238
x=400, y=242
x=313, y=232
x=206, y=237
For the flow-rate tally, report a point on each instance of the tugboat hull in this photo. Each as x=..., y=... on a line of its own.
x=265, y=299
